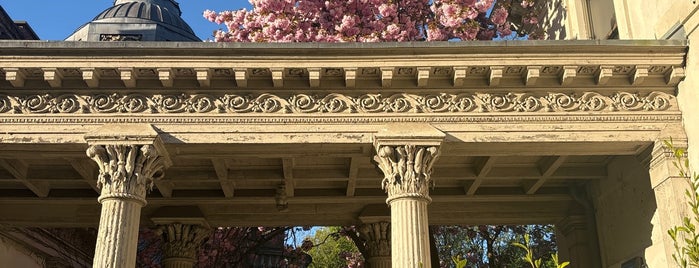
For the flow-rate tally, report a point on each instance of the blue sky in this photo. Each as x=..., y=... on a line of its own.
x=57, y=19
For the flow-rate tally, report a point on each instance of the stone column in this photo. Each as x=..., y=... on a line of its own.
x=405, y=154
x=181, y=244
x=129, y=159
x=378, y=243
x=668, y=187
x=577, y=241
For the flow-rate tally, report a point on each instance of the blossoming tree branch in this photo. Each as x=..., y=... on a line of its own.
x=377, y=21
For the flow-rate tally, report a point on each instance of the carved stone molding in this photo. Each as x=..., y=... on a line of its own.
x=377, y=237
x=407, y=170
x=335, y=103
x=387, y=118
x=126, y=170
x=182, y=240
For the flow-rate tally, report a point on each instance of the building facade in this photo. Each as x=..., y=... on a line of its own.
x=390, y=137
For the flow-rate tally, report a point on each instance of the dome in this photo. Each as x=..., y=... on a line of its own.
x=137, y=20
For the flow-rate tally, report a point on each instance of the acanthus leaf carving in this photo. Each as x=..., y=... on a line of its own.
x=126, y=170
x=377, y=238
x=182, y=240
x=407, y=169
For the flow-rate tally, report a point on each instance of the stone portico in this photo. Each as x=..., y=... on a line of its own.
x=566, y=133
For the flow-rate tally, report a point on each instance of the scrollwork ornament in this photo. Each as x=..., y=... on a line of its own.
x=237, y=103
x=627, y=101
x=400, y=103
x=5, y=104
x=201, y=104
x=335, y=103
x=126, y=171
x=407, y=170
x=66, y=104
x=592, y=101
x=303, y=103
x=656, y=101
x=435, y=103
x=370, y=103
x=171, y=103
x=268, y=103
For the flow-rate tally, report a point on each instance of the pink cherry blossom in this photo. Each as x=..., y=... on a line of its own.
x=365, y=20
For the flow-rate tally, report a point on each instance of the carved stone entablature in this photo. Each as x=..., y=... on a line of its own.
x=130, y=158
x=182, y=240
x=466, y=102
x=377, y=237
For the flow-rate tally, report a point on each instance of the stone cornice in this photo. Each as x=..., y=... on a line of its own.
x=12, y=47
x=389, y=65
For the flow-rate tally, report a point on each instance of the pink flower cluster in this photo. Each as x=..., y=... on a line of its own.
x=364, y=20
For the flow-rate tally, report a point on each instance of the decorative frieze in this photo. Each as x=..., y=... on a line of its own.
x=407, y=169
x=468, y=102
x=126, y=170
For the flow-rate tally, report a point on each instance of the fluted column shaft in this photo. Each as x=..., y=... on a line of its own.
x=118, y=227
x=410, y=241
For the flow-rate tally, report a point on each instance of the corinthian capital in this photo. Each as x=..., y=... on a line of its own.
x=128, y=162
x=407, y=169
x=183, y=240
x=377, y=236
x=127, y=170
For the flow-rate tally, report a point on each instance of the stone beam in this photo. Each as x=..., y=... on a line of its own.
x=19, y=170
x=352, y=176
x=87, y=170
x=483, y=167
x=222, y=173
x=288, y=169
x=548, y=166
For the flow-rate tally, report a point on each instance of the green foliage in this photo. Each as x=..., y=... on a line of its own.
x=685, y=237
x=459, y=262
x=329, y=247
x=529, y=256
x=491, y=245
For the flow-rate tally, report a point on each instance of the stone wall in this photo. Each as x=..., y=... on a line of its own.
x=13, y=254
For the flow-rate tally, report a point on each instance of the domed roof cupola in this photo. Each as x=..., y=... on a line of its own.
x=137, y=20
